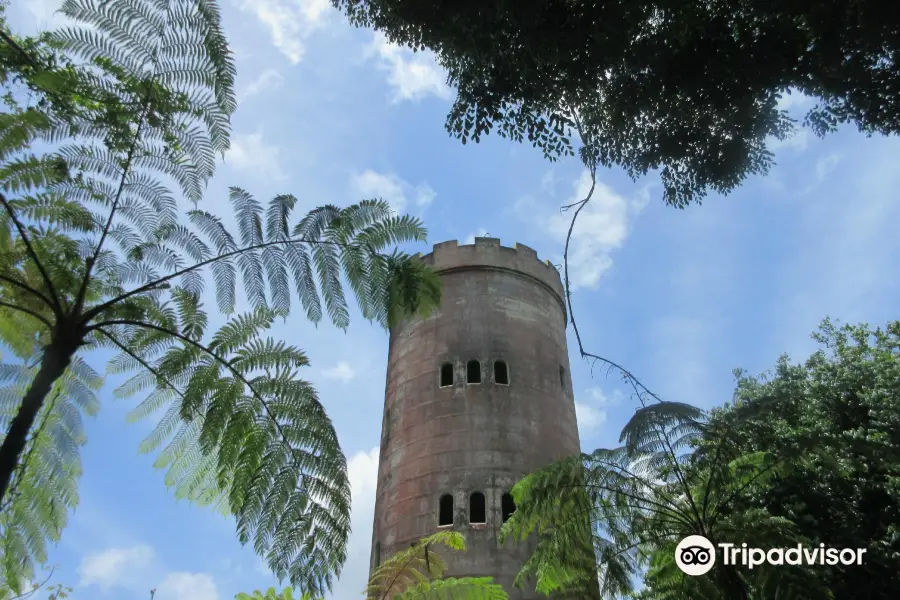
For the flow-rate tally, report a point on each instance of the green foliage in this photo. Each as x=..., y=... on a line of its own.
x=38, y=589
x=273, y=594
x=93, y=254
x=687, y=89
x=417, y=572
x=840, y=412
x=807, y=454
x=602, y=518
x=414, y=573
x=38, y=502
x=36, y=508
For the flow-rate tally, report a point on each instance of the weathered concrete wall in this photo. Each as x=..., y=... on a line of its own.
x=498, y=304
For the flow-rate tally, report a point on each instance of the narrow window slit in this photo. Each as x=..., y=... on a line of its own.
x=445, y=512
x=473, y=372
x=446, y=375
x=477, y=512
x=507, y=506
x=501, y=373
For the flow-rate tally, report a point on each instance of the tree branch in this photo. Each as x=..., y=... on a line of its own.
x=29, y=312
x=56, y=305
x=591, y=163
x=35, y=588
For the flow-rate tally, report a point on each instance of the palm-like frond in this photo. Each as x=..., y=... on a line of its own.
x=451, y=588
x=273, y=594
x=45, y=487
x=244, y=433
x=328, y=246
x=417, y=572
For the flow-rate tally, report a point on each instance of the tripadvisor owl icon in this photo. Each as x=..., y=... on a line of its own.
x=695, y=555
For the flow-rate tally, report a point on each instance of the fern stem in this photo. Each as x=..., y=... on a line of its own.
x=23, y=467
x=222, y=361
x=27, y=288
x=126, y=168
x=56, y=305
x=93, y=312
x=54, y=363
x=27, y=312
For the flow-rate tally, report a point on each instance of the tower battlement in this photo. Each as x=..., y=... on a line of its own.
x=487, y=253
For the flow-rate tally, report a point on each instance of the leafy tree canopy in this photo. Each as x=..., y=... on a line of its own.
x=840, y=409
x=689, y=88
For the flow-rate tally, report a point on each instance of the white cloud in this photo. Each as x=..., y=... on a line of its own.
x=424, y=194
x=342, y=371
x=601, y=229
x=115, y=566
x=250, y=153
x=825, y=165
x=413, y=75
x=290, y=22
x=798, y=141
x=187, y=586
x=362, y=468
x=589, y=418
x=599, y=397
x=482, y=232
x=391, y=188
x=548, y=183
x=267, y=80
x=792, y=100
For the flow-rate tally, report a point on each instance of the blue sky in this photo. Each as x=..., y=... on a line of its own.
x=333, y=115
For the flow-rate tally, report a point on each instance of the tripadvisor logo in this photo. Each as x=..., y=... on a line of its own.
x=696, y=555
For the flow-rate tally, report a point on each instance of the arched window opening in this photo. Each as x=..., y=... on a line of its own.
x=446, y=374
x=473, y=372
x=501, y=373
x=445, y=512
x=507, y=506
x=562, y=377
x=377, y=554
x=477, y=511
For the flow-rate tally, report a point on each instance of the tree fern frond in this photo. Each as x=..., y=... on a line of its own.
x=648, y=421
x=465, y=588
x=419, y=564
x=36, y=510
x=31, y=172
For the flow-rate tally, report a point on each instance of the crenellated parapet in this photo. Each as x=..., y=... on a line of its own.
x=487, y=253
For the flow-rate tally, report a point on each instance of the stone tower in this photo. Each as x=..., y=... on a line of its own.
x=478, y=395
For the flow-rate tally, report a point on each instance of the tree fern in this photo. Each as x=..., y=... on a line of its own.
x=273, y=594
x=241, y=429
x=417, y=572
